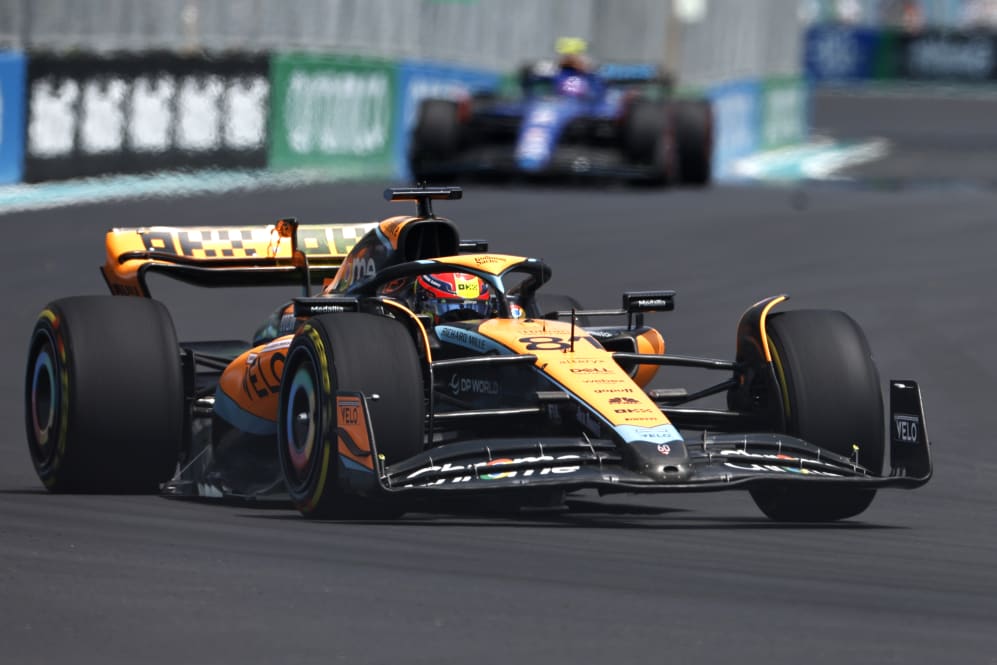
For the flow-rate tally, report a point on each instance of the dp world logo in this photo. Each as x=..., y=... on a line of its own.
x=835, y=53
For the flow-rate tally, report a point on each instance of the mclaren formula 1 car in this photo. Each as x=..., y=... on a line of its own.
x=355, y=402
x=621, y=123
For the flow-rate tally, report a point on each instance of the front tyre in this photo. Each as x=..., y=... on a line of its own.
x=104, y=395
x=363, y=353
x=831, y=398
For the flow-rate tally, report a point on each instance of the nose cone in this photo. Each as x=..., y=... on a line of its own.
x=664, y=462
x=542, y=124
x=534, y=149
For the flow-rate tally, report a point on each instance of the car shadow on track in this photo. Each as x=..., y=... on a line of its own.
x=589, y=515
x=575, y=514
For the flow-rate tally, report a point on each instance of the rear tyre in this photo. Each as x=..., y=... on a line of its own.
x=435, y=140
x=352, y=352
x=104, y=395
x=694, y=138
x=649, y=142
x=831, y=395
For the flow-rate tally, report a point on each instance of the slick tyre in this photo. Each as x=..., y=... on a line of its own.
x=831, y=396
x=649, y=143
x=363, y=353
x=104, y=395
x=435, y=140
x=694, y=139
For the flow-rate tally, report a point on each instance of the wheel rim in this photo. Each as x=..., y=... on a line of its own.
x=44, y=398
x=301, y=420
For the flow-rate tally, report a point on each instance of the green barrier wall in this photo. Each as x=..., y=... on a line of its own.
x=887, y=56
x=332, y=111
x=785, y=112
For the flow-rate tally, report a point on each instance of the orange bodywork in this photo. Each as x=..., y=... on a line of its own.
x=252, y=381
x=649, y=341
x=587, y=370
x=353, y=431
x=493, y=264
x=392, y=227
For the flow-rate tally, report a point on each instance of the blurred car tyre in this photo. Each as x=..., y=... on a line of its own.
x=694, y=137
x=831, y=395
x=364, y=353
x=104, y=395
x=649, y=141
x=435, y=138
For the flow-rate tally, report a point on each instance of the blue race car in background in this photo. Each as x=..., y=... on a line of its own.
x=569, y=119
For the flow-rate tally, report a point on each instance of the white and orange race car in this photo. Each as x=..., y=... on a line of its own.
x=428, y=370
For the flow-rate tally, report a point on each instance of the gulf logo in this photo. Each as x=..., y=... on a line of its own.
x=499, y=476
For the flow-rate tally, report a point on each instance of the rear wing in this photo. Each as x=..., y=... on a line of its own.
x=620, y=73
x=215, y=256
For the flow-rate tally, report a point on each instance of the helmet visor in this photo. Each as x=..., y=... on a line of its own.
x=456, y=310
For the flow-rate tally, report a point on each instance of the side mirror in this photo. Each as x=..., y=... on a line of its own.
x=648, y=301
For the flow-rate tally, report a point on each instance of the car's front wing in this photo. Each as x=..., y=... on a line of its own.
x=566, y=161
x=716, y=462
x=713, y=462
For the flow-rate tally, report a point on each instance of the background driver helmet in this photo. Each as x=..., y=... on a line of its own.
x=452, y=296
x=573, y=57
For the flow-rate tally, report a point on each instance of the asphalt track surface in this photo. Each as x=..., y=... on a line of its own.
x=676, y=579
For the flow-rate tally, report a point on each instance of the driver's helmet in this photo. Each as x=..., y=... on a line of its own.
x=573, y=57
x=575, y=63
x=574, y=68
x=452, y=296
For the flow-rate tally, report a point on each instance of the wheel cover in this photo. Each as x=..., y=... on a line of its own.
x=301, y=419
x=46, y=400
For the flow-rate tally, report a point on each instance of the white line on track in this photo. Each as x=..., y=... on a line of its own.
x=819, y=159
x=48, y=195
